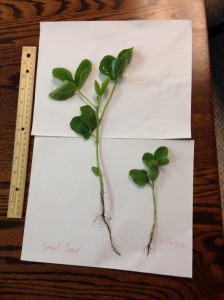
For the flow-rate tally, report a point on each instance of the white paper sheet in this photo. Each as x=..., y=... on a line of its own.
x=154, y=98
x=64, y=201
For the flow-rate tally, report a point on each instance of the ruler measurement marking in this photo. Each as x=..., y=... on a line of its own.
x=22, y=132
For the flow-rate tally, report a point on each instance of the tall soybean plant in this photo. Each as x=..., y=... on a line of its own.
x=87, y=124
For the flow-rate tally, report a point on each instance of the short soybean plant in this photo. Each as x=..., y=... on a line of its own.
x=149, y=176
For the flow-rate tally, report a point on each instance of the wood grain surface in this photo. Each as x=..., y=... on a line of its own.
x=26, y=280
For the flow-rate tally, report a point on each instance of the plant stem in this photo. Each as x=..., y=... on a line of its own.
x=87, y=99
x=107, y=102
x=101, y=181
x=148, y=247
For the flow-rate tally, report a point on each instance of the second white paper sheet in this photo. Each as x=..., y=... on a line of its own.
x=153, y=100
x=64, y=200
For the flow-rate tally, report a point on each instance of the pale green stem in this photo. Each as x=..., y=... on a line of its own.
x=97, y=140
x=107, y=102
x=148, y=247
x=98, y=164
x=87, y=99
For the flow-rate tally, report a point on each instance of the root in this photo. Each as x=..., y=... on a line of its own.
x=148, y=247
x=110, y=235
x=105, y=221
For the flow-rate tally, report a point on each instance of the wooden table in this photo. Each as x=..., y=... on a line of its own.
x=23, y=280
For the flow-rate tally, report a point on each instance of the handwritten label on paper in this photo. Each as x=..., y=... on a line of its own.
x=65, y=248
x=172, y=242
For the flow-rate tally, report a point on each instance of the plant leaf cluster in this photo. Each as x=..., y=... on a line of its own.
x=86, y=123
x=152, y=162
x=69, y=84
x=101, y=89
x=114, y=67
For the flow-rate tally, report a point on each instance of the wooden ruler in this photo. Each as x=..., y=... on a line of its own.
x=22, y=134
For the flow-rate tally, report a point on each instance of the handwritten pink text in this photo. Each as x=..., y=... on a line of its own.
x=169, y=241
x=66, y=248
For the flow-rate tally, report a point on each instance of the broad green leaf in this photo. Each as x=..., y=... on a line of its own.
x=153, y=165
x=115, y=67
x=121, y=62
x=95, y=171
x=82, y=72
x=147, y=157
x=161, y=152
x=153, y=170
x=62, y=74
x=163, y=161
x=97, y=88
x=63, y=92
x=80, y=127
x=88, y=117
x=106, y=66
x=126, y=54
x=152, y=174
x=118, y=67
x=104, y=85
x=139, y=177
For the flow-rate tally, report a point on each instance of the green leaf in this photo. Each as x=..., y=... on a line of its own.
x=152, y=174
x=97, y=88
x=95, y=171
x=63, y=92
x=147, y=157
x=82, y=72
x=118, y=67
x=139, y=177
x=153, y=170
x=161, y=152
x=163, y=161
x=115, y=67
x=106, y=66
x=153, y=165
x=121, y=62
x=88, y=117
x=62, y=74
x=104, y=85
x=126, y=55
x=80, y=127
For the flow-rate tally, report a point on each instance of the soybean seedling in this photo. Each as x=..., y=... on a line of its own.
x=149, y=176
x=88, y=123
